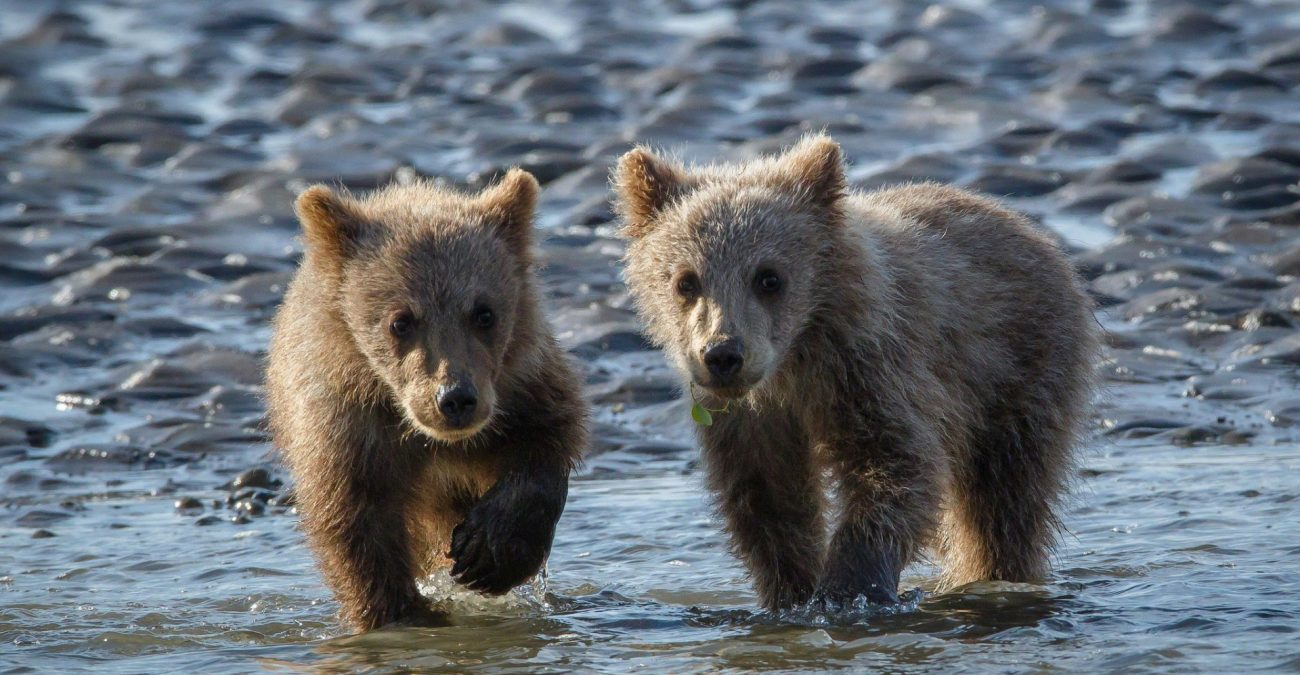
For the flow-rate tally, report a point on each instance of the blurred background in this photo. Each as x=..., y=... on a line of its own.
x=150, y=153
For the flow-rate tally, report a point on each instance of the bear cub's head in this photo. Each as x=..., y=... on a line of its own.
x=723, y=261
x=434, y=287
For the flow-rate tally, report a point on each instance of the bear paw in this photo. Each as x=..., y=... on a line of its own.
x=497, y=548
x=837, y=597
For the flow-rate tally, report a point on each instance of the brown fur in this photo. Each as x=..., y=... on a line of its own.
x=381, y=478
x=930, y=348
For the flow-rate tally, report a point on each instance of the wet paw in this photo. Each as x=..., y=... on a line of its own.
x=495, y=550
x=838, y=597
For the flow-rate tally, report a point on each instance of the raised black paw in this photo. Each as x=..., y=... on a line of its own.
x=502, y=542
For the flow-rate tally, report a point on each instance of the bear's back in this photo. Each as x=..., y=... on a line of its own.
x=1003, y=298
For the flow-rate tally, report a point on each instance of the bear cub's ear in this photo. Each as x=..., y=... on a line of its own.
x=645, y=185
x=814, y=167
x=329, y=225
x=509, y=206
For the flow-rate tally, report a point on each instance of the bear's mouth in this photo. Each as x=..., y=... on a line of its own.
x=447, y=434
x=725, y=392
x=451, y=435
x=458, y=435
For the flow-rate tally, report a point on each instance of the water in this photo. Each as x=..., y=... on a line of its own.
x=1171, y=554
x=151, y=154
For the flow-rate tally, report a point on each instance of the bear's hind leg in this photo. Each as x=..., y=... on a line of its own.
x=1001, y=521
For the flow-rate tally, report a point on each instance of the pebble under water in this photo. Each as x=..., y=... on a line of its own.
x=151, y=152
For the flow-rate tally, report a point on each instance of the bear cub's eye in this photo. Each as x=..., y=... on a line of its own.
x=688, y=285
x=767, y=281
x=484, y=318
x=402, y=325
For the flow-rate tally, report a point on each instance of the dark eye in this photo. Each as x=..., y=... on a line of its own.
x=402, y=325
x=484, y=318
x=688, y=285
x=767, y=281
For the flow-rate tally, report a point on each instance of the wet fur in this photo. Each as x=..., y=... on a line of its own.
x=381, y=500
x=933, y=354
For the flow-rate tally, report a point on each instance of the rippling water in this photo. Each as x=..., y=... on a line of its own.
x=150, y=155
x=1177, y=559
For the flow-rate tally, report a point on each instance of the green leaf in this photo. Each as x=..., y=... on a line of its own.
x=701, y=415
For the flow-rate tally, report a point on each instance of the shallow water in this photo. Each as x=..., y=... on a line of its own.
x=150, y=154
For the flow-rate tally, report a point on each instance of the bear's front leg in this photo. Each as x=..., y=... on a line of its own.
x=505, y=538
x=889, y=475
x=760, y=466
x=354, y=514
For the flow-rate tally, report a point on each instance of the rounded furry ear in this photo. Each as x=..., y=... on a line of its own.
x=329, y=226
x=645, y=184
x=510, y=205
x=815, y=166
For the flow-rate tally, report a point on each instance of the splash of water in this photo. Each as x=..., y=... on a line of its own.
x=814, y=613
x=858, y=611
x=447, y=595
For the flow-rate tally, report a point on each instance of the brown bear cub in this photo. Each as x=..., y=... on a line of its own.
x=925, y=347
x=420, y=401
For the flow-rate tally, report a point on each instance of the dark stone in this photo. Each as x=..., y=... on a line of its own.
x=1016, y=181
x=1233, y=79
x=1238, y=175
x=39, y=518
x=253, y=478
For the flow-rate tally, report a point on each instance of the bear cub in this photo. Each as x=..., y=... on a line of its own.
x=927, y=350
x=419, y=399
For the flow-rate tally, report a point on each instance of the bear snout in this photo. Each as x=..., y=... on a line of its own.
x=457, y=403
x=454, y=411
x=724, y=361
x=726, y=368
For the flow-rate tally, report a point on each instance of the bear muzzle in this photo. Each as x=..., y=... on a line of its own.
x=457, y=404
x=725, y=372
x=458, y=412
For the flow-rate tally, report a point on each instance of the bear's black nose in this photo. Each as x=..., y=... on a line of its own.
x=724, y=359
x=457, y=403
